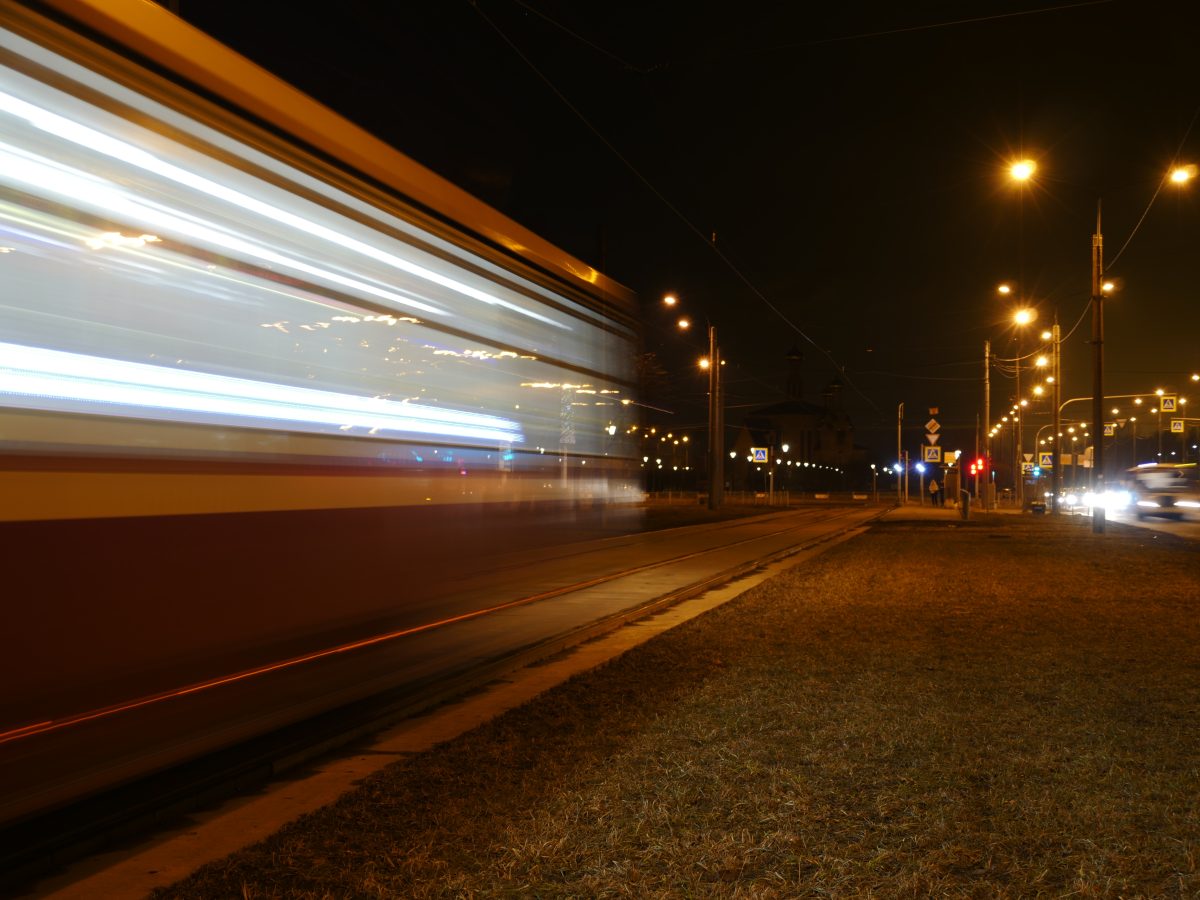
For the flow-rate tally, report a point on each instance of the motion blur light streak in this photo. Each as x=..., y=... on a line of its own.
x=126, y=153
x=37, y=376
x=69, y=185
x=200, y=266
x=235, y=353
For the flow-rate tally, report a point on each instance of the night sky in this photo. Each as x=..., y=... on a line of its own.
x=851, y=163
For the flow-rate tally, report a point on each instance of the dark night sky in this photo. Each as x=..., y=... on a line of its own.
x=851, y=162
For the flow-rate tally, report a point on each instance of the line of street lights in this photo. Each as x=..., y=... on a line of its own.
x=1023, y=172
x=1059, y=434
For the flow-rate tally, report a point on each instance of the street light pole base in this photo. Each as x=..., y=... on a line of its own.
x=1098, y=520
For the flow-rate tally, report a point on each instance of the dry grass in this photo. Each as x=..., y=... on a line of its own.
x=983, y=711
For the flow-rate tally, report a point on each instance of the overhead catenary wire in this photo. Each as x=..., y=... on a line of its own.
x=1154, y=196
x=741, y=276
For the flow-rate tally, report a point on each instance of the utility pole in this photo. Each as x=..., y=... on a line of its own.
x=900, y=455
x=1018, y=456
x=1098, y=376
x=716, y=433
x=1056, y=468
x=987, y=421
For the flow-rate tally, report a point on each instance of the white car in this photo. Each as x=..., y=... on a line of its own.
x=1166, y=490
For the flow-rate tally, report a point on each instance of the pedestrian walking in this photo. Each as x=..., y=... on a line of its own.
x=934, y=492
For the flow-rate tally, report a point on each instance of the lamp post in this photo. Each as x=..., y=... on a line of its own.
x=1179, y=175
x=1056, y=468
x=716, y=413
x=1021, y=318
x=1098, y=373
x=716, y=453
x=987, y=423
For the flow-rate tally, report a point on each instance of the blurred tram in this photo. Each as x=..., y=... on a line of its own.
x=264, y=381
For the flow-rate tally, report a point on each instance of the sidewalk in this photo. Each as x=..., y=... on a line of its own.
x=926, y=511
x=1000, y=710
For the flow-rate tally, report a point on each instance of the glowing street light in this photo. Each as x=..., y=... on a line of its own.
x=1022, y=170
x=1183, y=174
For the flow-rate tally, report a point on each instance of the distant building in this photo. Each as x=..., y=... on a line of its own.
x=819, y=439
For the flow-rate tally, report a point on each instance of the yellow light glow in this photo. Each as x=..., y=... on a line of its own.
x=1107, y=287
x=1046, y=335
x=704, y=363
x=1024, y=316
x=1041, y=362
x=1039, y=390
x=1004, y=289
x=670, y=300
x=1183, y=174
x=684, y=324
x=1022, y=170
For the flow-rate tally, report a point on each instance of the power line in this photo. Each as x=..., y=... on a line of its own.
x=666, y=202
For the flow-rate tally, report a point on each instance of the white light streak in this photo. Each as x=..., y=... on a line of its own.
x=97, y=141
x=54, y=380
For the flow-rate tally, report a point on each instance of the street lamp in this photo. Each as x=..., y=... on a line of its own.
x=716, y=425
x=1023, y=171
x=1021, y=318
x=1098, y=373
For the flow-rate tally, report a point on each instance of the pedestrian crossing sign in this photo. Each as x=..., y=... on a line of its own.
x=759, y=454
x=1046, y=459
x=932, y=454
x=1177, y=426
x=1167, y=403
